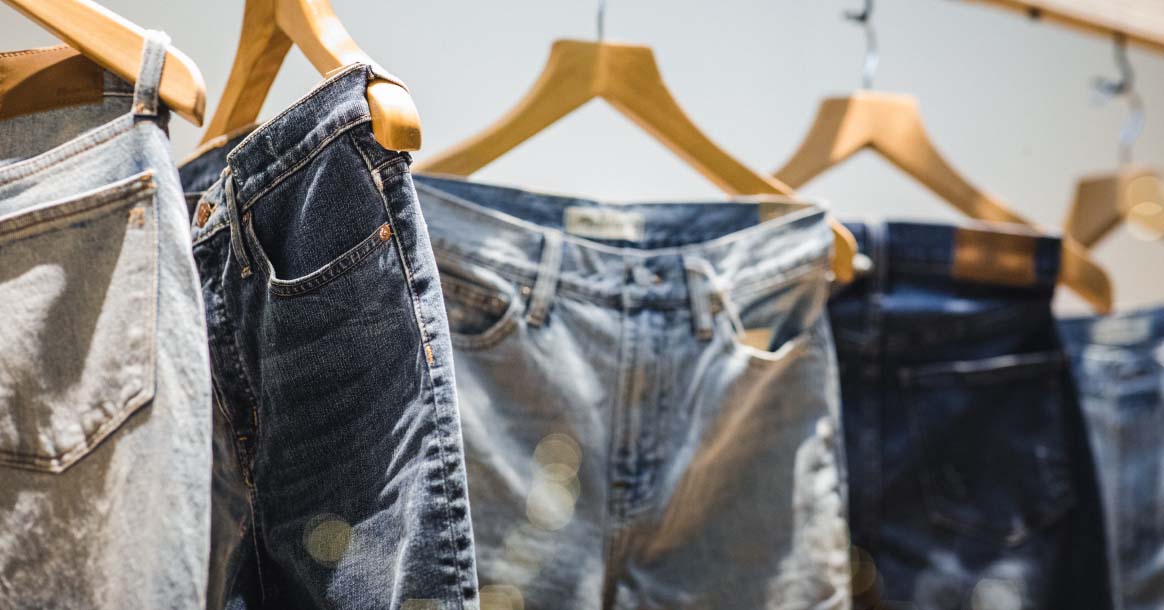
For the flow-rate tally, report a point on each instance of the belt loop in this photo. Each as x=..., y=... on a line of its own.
x=149, y=77
x=236, y=227
x=699, y=293
x=547, y=281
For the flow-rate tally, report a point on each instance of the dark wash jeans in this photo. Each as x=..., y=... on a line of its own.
x=1119, y=364
x=339, y=473
x=972, y=485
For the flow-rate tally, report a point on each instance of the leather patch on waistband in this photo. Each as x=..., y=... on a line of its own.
x=994, y=257
x=43, y=79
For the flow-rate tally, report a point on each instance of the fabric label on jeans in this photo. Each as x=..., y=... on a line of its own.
x=599, y=223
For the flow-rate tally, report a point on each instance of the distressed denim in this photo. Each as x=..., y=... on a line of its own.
x=627, y=447
x=105, y=396
x=1119, y=367
x=339, y=468
x=971, y=481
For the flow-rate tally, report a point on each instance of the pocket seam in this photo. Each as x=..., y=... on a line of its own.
x=757, y=357
x=492, y=335
x=322, y=276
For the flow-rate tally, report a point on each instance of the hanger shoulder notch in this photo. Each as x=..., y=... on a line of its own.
x=116, y=45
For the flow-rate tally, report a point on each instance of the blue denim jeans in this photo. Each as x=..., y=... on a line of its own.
x=104, y=375
x=632, y=444
x=1119, y=366
x=339, y=468
x=971, y=481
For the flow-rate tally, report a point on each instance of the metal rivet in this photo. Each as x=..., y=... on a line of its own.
x=203, y=214
x=385, y=232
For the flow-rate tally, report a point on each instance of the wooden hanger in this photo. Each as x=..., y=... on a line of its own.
x=891, y=125
x=37, y=80
x=1130, y=193
x=269, y=28
x=1103, y=201
x=115, y=44
x=628, y=78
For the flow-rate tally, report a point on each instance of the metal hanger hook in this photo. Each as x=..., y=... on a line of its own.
x=864, y=17
x=1124, y=86
x=601, y=20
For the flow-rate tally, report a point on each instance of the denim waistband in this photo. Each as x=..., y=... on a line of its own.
x=1118, y=354
x=655, y=255
x=973, y=253
x=80, y=158
x=277, y=148
x=1133, y=330
x=923, y=296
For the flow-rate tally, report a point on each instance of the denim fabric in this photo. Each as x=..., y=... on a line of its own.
x=971, y=482
x=1119, y=366
x=627, y=447
x=104, y=374
x=203, y=167
x=339, y=467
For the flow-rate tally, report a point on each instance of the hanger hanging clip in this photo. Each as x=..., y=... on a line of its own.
x=601, y=20
x=872, y=55
x=1124, y=86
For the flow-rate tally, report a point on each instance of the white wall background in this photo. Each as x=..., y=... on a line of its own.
x=1007, y=100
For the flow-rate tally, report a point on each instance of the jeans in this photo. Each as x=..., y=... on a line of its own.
x=631, y=443
x=1119, y=365
x=104, y=375
x=339, y=468
x=971, y=481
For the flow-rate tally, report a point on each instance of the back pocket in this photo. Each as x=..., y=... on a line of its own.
x=995, y=462
x=78, y=283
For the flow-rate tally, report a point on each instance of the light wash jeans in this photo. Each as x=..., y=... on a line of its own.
x=1119, y=366
x=104, y=372
x=627, y=448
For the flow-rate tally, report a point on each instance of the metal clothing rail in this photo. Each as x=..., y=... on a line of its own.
x=1141, y=22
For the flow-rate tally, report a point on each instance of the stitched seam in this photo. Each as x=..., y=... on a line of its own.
x=492, y=336
x=134, y=189
x=253, y=200
x=329, y=272
x=450, y=520
x=298, y=103
x=50, y=159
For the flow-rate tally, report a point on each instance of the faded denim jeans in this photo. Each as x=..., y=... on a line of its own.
x=339, y=473
x=632, y=442
x=1119, y=365
x=971, y=480
x=104, y=374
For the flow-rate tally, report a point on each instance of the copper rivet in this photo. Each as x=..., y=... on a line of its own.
x=203, y=213
x=385, y=232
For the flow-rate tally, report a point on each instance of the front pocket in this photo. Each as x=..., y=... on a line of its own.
x=482, y=307
x=990, y=439
x=78, y=283
x=325, y=274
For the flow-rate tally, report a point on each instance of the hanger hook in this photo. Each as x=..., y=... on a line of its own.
x=601, y=20
x=1124, y=86
x=864, y=17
